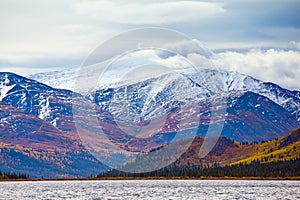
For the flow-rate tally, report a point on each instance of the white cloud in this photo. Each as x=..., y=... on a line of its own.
x=296, y=44
x=36, y=38
x=35, y=33
x=24, y=71
x=278, y=66
x=39, y=35
x=47, y=34
x=155, y=13
x=235, y=45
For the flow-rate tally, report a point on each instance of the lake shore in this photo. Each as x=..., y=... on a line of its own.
x=154, y=178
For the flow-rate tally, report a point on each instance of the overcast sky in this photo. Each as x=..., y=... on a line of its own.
x=259, y=39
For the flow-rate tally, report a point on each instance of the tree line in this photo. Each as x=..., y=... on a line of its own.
x=279, y=169
x=10, y=175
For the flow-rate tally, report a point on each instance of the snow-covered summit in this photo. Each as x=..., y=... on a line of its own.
x=62, y=79
x=136, y=68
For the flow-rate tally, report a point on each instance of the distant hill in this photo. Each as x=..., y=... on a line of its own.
x=229, y=152
x=281, y=149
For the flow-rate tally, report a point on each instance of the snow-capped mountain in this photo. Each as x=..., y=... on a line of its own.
x=228, y=82
x=234, y=81
x=140, y=102
x=54, y=106
x=133, y=105
x=247, y=115
x=168, y=103
x=116, y=74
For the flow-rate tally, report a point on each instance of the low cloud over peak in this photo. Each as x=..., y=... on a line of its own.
x=278, y=66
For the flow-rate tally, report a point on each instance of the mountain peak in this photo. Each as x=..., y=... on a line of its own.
x=254, y=110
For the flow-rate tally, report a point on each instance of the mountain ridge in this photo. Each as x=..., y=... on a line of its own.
x=35, y=103
x=231, y=81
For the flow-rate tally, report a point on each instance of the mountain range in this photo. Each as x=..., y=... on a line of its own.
x=39, y=133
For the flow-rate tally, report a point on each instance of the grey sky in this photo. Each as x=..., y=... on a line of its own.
x=46, y=35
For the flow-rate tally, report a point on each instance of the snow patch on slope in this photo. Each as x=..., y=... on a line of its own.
x=44, y=111
x=4, y=90
x=5, y=87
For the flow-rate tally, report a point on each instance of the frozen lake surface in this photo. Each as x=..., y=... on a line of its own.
x=151, y=189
